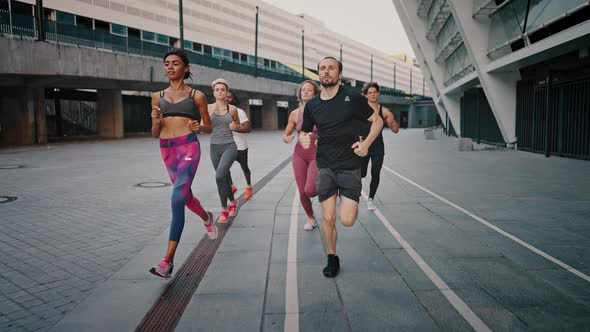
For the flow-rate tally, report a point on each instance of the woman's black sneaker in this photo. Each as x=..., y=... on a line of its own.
x=333, y=267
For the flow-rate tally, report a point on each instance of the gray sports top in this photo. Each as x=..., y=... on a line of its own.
x=185, y=108
x=221, y=133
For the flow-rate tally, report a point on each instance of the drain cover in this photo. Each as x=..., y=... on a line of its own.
x=152, y=184
x=11, y=166
x=7, y=199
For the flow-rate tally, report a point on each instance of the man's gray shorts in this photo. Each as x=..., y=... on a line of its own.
x=345, y=182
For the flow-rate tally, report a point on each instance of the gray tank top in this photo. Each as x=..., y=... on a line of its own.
x=221, y=133
x=185, y=108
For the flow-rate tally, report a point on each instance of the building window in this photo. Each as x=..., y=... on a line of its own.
x=148, y=36
x=266, y=63
x=217, y=52
x=197, y=47
x=161, y=39
x=66, y=18
x=119, y=30
x=207, y=49
x=227, y=54
x=235, y=56
x=188, y=45
x=244, y=57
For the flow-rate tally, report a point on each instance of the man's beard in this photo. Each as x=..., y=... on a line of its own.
x=329, y=83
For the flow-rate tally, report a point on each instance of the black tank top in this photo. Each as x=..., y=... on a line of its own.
x=186, y=108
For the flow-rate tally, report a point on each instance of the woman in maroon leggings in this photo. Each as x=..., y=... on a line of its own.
x=304, y=161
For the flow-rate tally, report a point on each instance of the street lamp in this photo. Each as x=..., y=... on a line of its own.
x=181, y=24
x=256, y=46
x=303, y=54
x=371, y=67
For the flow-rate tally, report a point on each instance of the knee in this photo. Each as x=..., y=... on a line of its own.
x=220, y=177
x=178, y=199
x=347, y=221
x=329, y=219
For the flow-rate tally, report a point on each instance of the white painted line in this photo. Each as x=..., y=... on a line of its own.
x=291, y=294
x=497, y=229
x=454, y=300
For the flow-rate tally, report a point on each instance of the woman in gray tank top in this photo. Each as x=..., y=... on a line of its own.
x=224, y=119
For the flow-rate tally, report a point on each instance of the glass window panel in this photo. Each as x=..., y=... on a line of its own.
x=117, y=29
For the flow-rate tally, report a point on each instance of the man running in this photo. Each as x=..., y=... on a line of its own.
x=377, y=150
x=338, y=116
x=242, y=144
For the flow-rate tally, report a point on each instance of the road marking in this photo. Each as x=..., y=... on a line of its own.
x=291, y=294
x=497, y=229
x=454, y=300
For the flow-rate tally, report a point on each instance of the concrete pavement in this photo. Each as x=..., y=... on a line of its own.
x=76, y=244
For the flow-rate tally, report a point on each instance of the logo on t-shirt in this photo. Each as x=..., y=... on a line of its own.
x=347, y=98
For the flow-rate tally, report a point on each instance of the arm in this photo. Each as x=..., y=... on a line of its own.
x=244, y=122
x=376, y=126
x=306, y=127
x=291, y=125
x=201, y=102
x=235, y=124
x=390, y=120
x=156, y=116
x=366, y=112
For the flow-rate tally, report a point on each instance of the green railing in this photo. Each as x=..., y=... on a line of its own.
x=24, y=27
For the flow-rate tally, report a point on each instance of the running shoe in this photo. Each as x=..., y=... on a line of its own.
x=223, y=217
x=310, y=224
x=333, y=266
x=248, y=193
x=370, y=205
x=163, y=269
x=210, y=226
x=233, y=209
x=234, y=189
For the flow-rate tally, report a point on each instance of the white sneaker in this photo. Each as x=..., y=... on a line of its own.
x=370, y=205
x=310, y=225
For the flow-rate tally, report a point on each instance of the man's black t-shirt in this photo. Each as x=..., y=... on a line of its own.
x=339, y=121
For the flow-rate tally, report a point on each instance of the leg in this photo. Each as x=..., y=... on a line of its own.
x=350, y=186
x=220, y=177
x=312, y=174
x=376, y=164
x=349, y=209
x=243, y=160
x=365, y=166
x=300, y=170
x=227, y=158
x=329, y=224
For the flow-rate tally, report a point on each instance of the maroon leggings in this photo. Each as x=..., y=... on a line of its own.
x=306, y=171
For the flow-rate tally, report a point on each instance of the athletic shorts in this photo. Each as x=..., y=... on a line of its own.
x=342, y=182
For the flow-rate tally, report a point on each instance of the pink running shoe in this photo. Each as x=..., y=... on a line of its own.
x=223, y=217
x=210, y=226
x=163, y=269
x=233, y=209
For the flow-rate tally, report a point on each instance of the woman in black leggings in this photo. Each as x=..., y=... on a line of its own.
x=377, y=149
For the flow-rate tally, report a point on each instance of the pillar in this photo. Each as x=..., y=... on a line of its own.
x=22, y=116
x=110, y=113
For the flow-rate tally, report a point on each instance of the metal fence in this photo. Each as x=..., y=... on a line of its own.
x=477, y=119
x=562, y=129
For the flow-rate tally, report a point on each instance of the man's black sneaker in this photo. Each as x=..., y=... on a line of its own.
x=333, y=267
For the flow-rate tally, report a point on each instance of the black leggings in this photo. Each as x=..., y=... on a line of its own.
x=242, y=158
x=376, y=164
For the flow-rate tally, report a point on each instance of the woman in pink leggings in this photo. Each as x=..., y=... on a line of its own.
x=304, y=161
x=178, y=113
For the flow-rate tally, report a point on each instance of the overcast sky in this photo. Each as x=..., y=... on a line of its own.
x=372, y=22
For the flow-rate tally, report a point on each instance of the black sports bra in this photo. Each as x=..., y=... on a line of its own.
x=186, y=108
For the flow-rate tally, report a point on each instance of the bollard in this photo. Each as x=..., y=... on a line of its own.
x=465, y=144
x=429, y=133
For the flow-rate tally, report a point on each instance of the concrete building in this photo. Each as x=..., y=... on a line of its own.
x=509, y=72
x=217, y=34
